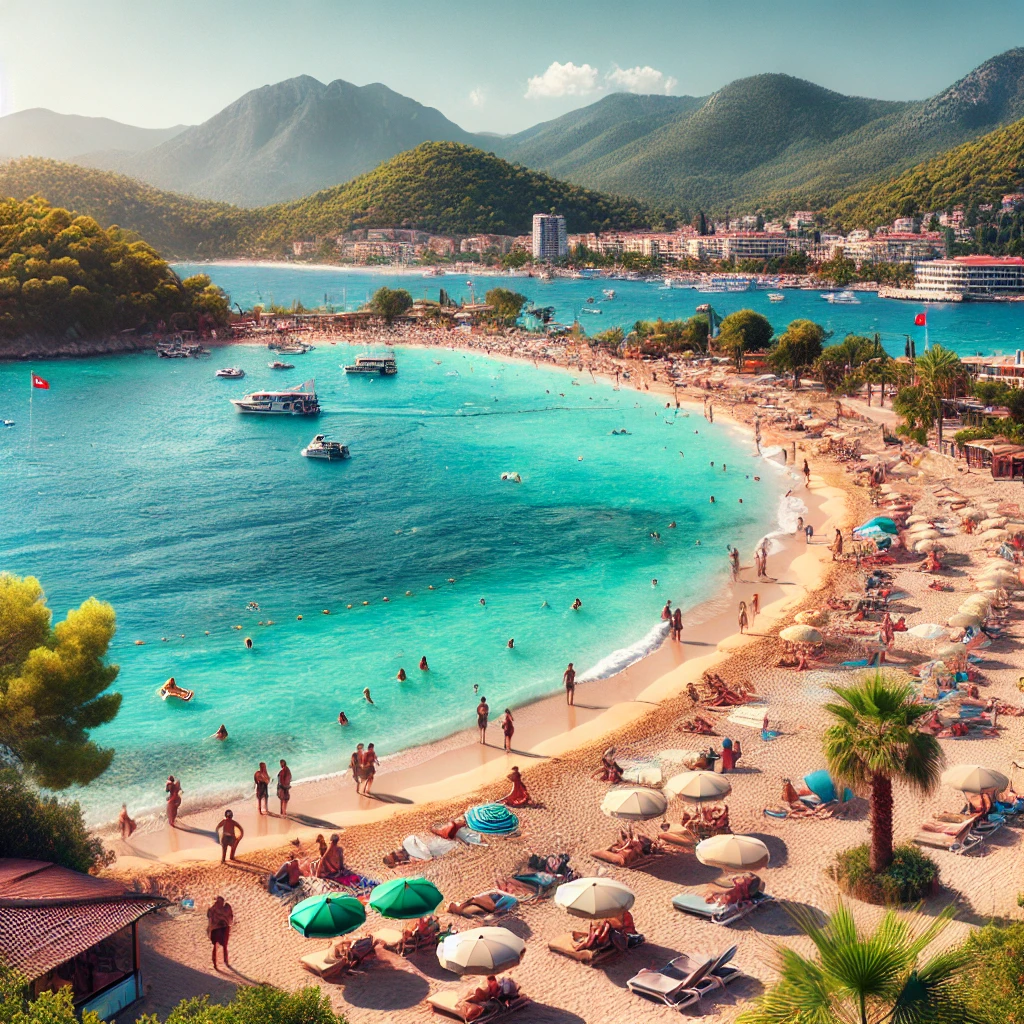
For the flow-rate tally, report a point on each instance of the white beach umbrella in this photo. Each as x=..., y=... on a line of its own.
x=801, y=635
x=480, y=951
x=925, y=534
x=698, y=785
x=962, y=620
x=912, y=520
x=923, y=546
x=991, y=536
x=634, y=803
x=973, y=778
x=733, y=853
x=594, y=898
x=995, y=523
x=926, y=631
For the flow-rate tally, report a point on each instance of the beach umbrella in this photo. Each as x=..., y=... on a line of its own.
x=926, y=631
x=405, y=898
x=594, y=898
x=964, y=620
x=951, y=651
x=973, y=778
x=911, y=520
x=492, y=819
x=801, y=635
x=970, y=513
x=880, y=523
x=991, y=536
x=326, y=916
x=698, y=786
x=995, y=523
x=926, y=534
x=733, y=853
x=480, y=951
x=634, y=803
x=923, y=546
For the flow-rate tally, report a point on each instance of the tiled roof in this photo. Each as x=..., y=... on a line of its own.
x=49, y=914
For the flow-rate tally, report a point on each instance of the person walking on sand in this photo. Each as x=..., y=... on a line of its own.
x=743, y=617
x=219, y=919
x=837, y=545
x=734, y=560
x=755, y=607
x=508, y=727
x=284, y=786
x=569, y=682
x=807, y=474
x=369, y=768
x=482, y=713
x=173, y=789
x=231, y=834
x=355, y=763
x=262, y=779
x=125, y=823
x=677, y=624
x=666, y=612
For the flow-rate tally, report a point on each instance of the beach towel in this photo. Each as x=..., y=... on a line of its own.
x=427, y=847
x=467, y=835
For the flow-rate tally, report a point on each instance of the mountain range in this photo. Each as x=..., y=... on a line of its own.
x=770, y=142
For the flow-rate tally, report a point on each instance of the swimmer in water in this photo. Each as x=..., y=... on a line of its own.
x=401, y=675
x=544, y=604
x=577, y=605
x=342, y=718
x=366, y=695
x=672, y=525
x=476, y=687
x=221, y=733
x=248, y=642
x=423, y=664
x=511, y=643
x=482, y=601
x=712, y=499
x=654, y=582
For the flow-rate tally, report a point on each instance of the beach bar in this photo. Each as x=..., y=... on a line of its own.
x=60, y=928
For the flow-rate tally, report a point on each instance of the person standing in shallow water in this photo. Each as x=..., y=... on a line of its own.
x=507, y=728
x=284, y=786
x=370, y=763
x=482, y=712
x=261, y=777
x=173, y=789
x=569, y=682
x=355, y=763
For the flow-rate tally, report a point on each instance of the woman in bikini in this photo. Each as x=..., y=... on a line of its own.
x=262, y=779
x=507, y=728
x=370, y=763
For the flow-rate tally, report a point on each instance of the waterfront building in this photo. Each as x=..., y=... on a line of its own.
x=894, y=247
x=1007, y=370
x=549, y=238
x=968, y=277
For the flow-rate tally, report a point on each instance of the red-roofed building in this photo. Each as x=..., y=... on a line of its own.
x=969, y=277
x=60, y=928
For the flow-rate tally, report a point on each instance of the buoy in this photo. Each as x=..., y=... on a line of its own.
x=270, y=622
x=348, y=606
x=365, y=603
x=260, y=623
x=326, y=612
x=299, y=617
x=182, y=635
x=431, y=587
x=164, y=639
x=238, y=627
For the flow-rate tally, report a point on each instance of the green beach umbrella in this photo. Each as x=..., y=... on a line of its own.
x=406, y=898
x=324, y=917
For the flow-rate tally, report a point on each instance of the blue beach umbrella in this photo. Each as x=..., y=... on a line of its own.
x=880, y=524
x=492, y=819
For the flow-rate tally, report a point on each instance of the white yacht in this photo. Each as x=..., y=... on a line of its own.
x=321, y=448
x=300, y=401
x=845, y=298
x=384, y=365
x=776, y=296
x=231, y=373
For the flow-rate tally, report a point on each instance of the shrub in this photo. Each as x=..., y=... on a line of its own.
x=259, y=1004
x=910, y=876
x=44, y=828
x=994, y=986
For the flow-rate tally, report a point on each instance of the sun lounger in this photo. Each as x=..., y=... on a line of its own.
x=566, y=946
x=505, y=903
x=447, y=1002
x=394, y=939
x=716, y=913
x=957, y=837
x=686, y=979
x=326, y=966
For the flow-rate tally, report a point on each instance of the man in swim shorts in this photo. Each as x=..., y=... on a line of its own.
x=569, y=682
x=231, y=834
x=482, y=713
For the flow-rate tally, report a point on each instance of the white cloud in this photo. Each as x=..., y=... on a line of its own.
x=477, y=97
x=642, y=80
x=562, y=80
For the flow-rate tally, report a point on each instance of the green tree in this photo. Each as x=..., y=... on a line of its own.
x=390, y=303
x=53, y=683
x=798, y=348
x=917, y=410
x=610, y=339
x=993, y=985
x=43, y=828
x=516, y=258
x=256, y=1004
x=47, y=1008
x=507, y=304
x=1015, y=404
x=940, y=375
x=839, y=270
x=856, y=978
x=744, y=331
x=874, y=740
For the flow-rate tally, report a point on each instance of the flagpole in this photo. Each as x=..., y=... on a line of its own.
x=30, y=390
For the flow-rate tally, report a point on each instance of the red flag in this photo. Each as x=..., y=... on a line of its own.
x=38, y=382
x=919, y=320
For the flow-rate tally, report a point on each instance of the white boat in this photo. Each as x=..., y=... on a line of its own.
x=591, y=309
x=384, y=365
x=776, y=296
x=278, y=365
x=845, y=298
x=231, y=373
x=321, y=448
x=300, y=401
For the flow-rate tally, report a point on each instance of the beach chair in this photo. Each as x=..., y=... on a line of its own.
x=565, y=945
x=447, y=1002
x=396, y=941
x=672, y=985
x=716, y=913
x=323, y=964
x=958, y=837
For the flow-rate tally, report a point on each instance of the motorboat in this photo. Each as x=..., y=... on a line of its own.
x=383, y=365
x=230, y=373
x=7, y=423
x=844, y=298
x=321, y=448
x=595, y=311
x=300, y=401
x=278, y=365
x=776, y=297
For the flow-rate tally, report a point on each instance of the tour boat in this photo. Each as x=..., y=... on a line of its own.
x=775, y=296
x=846, y=298
x=231, y=373
x=278, y=365
x=321, y=448
x=299, y=401
x=384, y=365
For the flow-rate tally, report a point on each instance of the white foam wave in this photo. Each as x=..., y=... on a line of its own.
x=626, y=656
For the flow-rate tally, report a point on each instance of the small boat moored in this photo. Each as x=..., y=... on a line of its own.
x=321, y=448
x=383, y=365
x=230, y=373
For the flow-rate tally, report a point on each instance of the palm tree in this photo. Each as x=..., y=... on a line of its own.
x=941, y=375
x=875, y=740
x=867, y=979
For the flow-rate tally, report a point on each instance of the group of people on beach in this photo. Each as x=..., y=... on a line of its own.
x=363, y=766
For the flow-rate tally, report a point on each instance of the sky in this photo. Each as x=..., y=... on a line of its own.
x=488, y=66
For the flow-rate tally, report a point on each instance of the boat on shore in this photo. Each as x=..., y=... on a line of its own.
x=300, y=401
x=321, y=448
x=385, y=366
x=230, y=373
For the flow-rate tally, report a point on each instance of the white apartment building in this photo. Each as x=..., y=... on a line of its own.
x=969, y=277
x=549, y=237
x=893, y=248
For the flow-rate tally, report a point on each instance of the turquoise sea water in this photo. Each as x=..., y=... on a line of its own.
x=135, y=480
x=966, y=327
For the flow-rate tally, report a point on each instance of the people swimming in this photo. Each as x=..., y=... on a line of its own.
x=342, y=718
x=248, y=643
x=577, y=605
x=423, y=664
x=221, y=733
x=401, y=677
x=511, y=643
x=366, y=695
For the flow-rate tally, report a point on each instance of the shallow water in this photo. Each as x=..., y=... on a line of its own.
x=135, y=480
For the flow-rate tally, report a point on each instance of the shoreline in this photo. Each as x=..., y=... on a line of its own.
x=457, y=764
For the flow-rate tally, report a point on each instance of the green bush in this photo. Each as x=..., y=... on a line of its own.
x=259, y=1004
x=44, y=828
x=911, y=876
x=994, y=986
